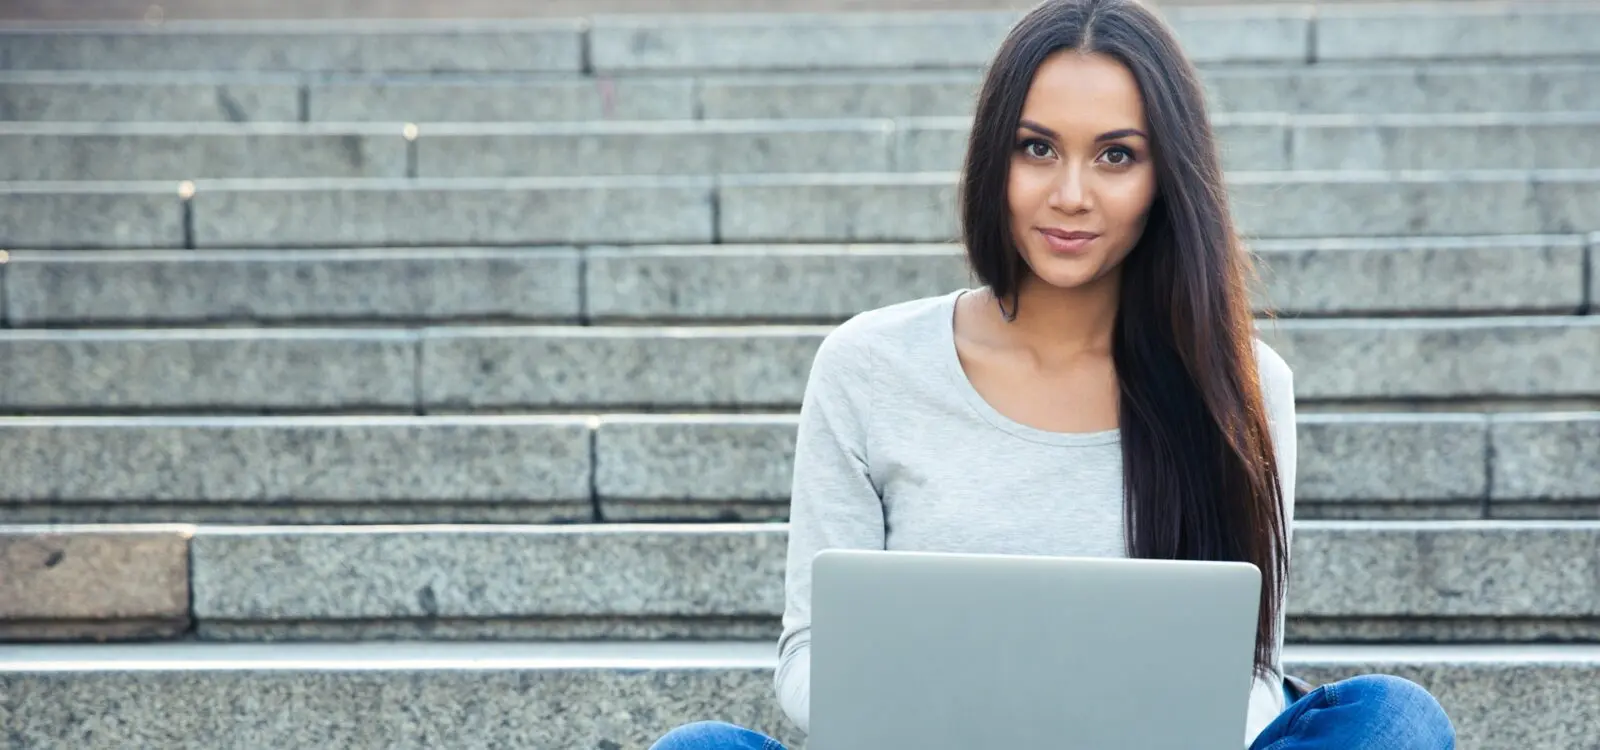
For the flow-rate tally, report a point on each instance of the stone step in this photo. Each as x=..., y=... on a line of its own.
x=1351, y=581
x=1403, y=360
x=178, y=96
x=344, y=469
x=155, y=287
x=157, y=151
x=790, y=41
x=817, y=42
x=1434, y=31
x=729, y=283
x=178, y=151
x=534, y=695
x=656, y=582
x=364, y=46
x=1351, y=465
x=109, y=96
x=1284, y=33
x=632, y=467
x=1318, y=89
x=1249, y=142
x=1324, y=88
x=117, y=583
x=226, y=369
x=806, y=208
x=134, y=10
x=1324, y=277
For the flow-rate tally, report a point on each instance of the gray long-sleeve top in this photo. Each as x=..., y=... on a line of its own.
x=896, y=450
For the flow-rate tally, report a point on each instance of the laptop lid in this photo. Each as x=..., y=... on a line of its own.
x=966, y=652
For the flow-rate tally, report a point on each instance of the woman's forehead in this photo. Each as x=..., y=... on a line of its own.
x=1077, y=92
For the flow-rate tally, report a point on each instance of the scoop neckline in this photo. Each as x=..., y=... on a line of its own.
x=980, y=405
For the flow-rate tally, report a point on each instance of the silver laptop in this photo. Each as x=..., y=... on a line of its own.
x=992, y=652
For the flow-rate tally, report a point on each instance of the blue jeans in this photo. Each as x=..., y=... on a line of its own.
x=1371, y=712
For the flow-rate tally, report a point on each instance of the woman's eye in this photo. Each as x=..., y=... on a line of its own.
x=1124, y=153
x=1037, y=149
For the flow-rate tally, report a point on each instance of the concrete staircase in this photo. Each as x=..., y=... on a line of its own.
x=402, y=385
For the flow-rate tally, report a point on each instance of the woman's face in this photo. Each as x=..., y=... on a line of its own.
x=1082, y=180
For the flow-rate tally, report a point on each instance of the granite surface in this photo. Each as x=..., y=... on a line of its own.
x=294, y=511
x=372, y=213
x=103, y=96
x=1545, y=457
x=548, y=709
x=49, y=370
x=546, y=629
x=1251, y=146
x=765, y=282
x=931, y=144
x=1569, y=199
x=1363, y=574
x=796, y=42
x=685, y=458
x=201, y=286
x=1388, y=510
x=653, y=149
x=90, y=215
x=682, y=510
x=1430, y=32
x=838, y=208
x=1519, y=142
x=491, y=99
x=1580, y=510
x=1592, y=289
x=1373, y=90
x=1242, y=34
x=139, y=629
x=617, y=367
x=1405, y=458
x=909, y=94
x=1366, y=204
x=481, y=696
x=1443, y=630
x=92, y=576
x=1421, y=275
x=98, y=152
x=331, y=573
x=887, y=41
x=1388, y=88
x=281, y=462
x=1440, y=358
x=310, y=47
x=1469, y=569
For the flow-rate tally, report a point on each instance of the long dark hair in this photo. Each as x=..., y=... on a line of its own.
x=1199, y=469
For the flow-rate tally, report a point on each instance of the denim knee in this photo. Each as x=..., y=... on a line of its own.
x=1397, y=707
x=712, y=735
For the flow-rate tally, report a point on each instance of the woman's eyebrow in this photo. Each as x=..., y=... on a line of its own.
x=1109, y=136
x=1040, y=129
x=1123, y=133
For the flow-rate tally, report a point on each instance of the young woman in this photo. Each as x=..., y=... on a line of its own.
x=1102, y=393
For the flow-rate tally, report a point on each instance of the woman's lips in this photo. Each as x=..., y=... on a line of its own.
x=1068, y=242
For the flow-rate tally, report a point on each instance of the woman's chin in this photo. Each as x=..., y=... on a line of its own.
x=1066, y=273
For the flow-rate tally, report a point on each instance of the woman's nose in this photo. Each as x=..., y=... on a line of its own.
x=1071, y=193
